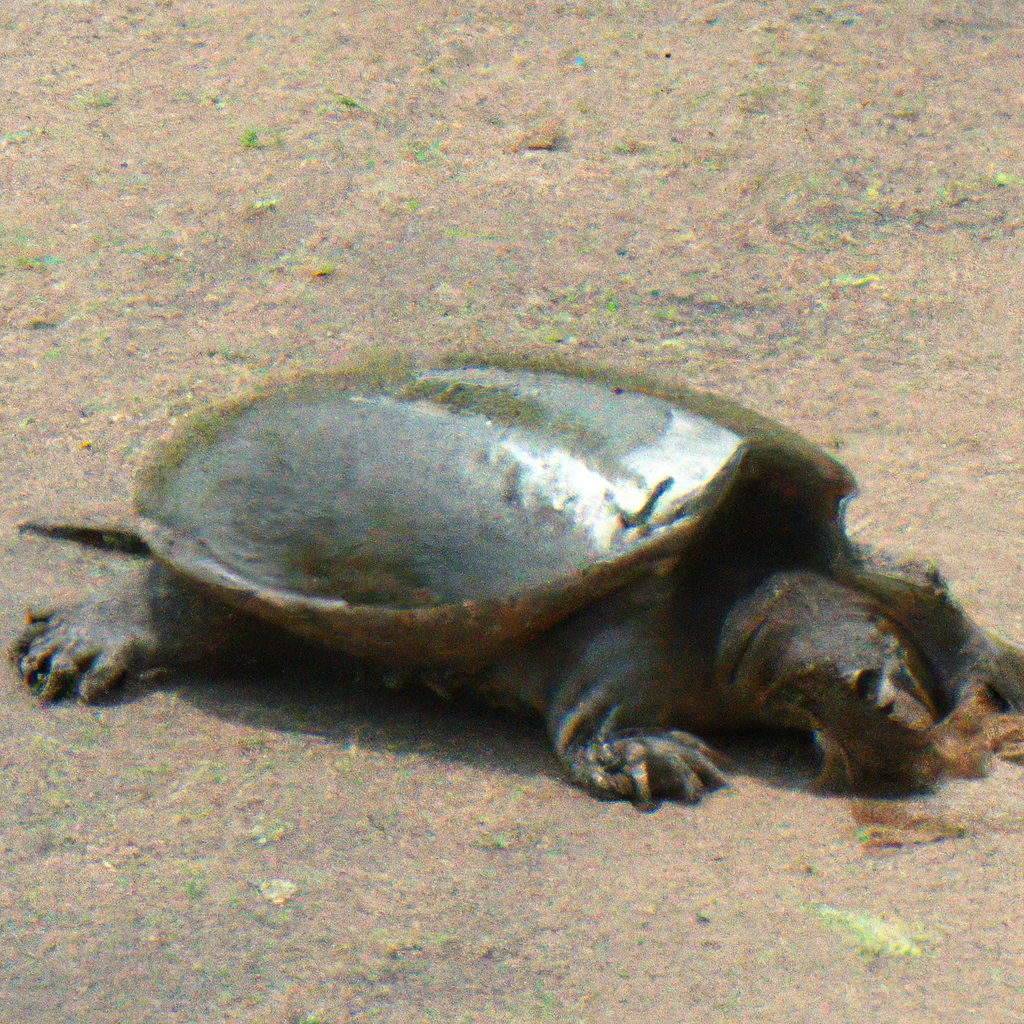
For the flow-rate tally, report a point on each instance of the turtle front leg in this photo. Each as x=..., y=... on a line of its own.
x=645, y=766
x=616, y=686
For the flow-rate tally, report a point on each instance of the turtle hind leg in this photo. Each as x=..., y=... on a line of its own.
x=153, y=620
x=86, y=650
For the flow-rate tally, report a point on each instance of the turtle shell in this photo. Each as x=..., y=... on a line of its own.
x=442, y=518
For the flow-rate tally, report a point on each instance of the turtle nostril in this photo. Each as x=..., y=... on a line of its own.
x=865, y=684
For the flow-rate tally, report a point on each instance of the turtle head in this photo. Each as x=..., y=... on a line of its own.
x=872, y=705
x=806, y=652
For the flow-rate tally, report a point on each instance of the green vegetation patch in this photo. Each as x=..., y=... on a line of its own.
x=250, y=139
x=96, y=100
x=874, y=936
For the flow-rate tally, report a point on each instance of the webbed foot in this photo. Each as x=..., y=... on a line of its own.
x=646, y=767
x=79, y=652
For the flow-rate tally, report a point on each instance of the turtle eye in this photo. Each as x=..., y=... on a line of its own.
x=896, y=691
x=865, y=684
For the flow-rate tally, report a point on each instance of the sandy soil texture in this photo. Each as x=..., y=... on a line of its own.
x=813, y=207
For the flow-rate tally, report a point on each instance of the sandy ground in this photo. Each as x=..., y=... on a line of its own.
x=814, y=208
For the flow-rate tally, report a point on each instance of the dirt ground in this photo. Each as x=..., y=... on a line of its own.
x=815, y=208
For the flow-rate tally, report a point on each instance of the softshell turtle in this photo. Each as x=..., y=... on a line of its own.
x=639, y=565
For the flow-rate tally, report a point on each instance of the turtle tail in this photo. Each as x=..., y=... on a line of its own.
x=106, y=537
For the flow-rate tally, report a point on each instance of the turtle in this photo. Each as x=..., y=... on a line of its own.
x=645, y=566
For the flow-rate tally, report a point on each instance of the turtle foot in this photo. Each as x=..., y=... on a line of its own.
x=647, y=767
x=79, y=652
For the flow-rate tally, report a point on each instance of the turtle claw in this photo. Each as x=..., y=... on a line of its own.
x=648, y=767
x=73, y=653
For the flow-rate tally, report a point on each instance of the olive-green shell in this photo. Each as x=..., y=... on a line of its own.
x=443, y=517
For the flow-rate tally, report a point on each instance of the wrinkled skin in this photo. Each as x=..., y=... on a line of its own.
x=625, y=686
